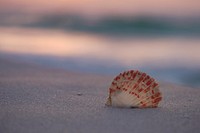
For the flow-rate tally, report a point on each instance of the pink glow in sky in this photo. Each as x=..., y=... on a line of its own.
x=104, y=7
x=124, y=51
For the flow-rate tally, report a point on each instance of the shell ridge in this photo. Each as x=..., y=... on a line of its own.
x=134, y=89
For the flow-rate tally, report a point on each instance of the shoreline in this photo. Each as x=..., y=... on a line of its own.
x=180, y=75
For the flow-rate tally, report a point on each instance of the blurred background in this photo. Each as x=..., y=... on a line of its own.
x=160, y=37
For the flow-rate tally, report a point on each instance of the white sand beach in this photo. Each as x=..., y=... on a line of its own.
x=35, y=99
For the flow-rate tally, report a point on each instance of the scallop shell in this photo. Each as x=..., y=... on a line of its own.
x=134, y=89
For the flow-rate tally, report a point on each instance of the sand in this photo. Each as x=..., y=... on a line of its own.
x=35, y=99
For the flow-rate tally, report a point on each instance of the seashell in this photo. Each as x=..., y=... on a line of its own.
x=134, y=89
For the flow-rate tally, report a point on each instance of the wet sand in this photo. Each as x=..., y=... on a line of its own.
x=35, y=99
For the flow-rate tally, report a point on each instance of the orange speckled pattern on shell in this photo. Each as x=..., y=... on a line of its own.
x=134, y=89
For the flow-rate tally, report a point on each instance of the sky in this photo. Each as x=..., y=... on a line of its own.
x=97, y=8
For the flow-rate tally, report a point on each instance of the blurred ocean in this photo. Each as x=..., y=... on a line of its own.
x=165, y=48
x=110, y=25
